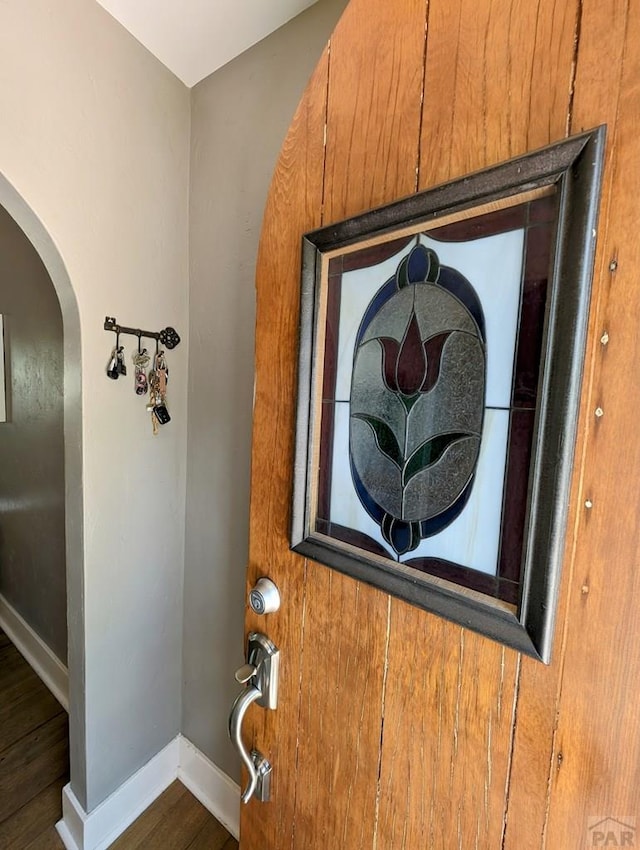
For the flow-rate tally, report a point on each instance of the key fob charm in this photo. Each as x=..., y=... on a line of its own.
x=162, y=414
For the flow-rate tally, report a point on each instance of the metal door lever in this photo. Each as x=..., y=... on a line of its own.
x=260, y=675
x=240, y=706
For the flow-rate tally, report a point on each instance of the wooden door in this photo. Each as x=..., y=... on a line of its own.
x=397, y=729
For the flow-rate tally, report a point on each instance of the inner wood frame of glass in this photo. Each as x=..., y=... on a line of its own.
x=552, y=196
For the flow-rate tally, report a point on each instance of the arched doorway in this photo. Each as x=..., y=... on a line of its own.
x=29, y=222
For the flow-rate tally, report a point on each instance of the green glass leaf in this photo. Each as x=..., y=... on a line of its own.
x=385, y=438
x=434, y=266
x=402, y=278
x=429, y=453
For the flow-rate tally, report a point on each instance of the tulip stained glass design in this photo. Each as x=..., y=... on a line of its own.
x=417, y=400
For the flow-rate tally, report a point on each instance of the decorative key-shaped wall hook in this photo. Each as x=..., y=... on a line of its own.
x=155, y=382
x=169, y=337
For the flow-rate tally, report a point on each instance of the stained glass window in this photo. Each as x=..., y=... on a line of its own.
x=441, y=352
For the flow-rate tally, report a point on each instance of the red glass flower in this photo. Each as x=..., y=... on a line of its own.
x=412, y=366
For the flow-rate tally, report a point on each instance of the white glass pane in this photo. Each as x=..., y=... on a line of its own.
x=493, y=266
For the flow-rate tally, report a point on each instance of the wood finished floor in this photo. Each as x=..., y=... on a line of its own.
x=34, y=767
x=34, y=755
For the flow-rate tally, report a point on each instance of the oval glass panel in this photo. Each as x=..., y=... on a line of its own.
x=417, y=400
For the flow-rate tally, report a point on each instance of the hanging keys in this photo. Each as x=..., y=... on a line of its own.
x=116, y=366
x=158, y=377
x=140, y=361
x=153, y=390
x=122, y=369
x=162, y=372
x=112, y=366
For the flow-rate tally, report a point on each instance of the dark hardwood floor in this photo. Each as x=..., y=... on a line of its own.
x=34, y=755
x=34, y=767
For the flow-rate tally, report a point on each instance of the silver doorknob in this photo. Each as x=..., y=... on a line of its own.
x=264, y=597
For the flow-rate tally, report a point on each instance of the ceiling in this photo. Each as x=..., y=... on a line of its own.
x=193, y=38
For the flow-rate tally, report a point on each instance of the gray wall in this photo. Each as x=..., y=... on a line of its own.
x=95, y=141
x=32, y=495
x=240, y=116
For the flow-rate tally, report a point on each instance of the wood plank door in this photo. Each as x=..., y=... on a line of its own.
x=395, y=728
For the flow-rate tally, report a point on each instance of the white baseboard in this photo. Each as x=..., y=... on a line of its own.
x=215, y=790
x=178, y=760
x=100, y=828
x=36, y=653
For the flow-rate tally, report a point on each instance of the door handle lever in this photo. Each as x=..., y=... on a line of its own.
x=260, y=675
x=238, y=711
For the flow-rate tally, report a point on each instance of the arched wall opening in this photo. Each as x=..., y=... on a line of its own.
x=29, y=222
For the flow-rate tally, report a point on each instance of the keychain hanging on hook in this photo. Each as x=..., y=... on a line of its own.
x=158, y=377
x=140, y=361
x=116, y=365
